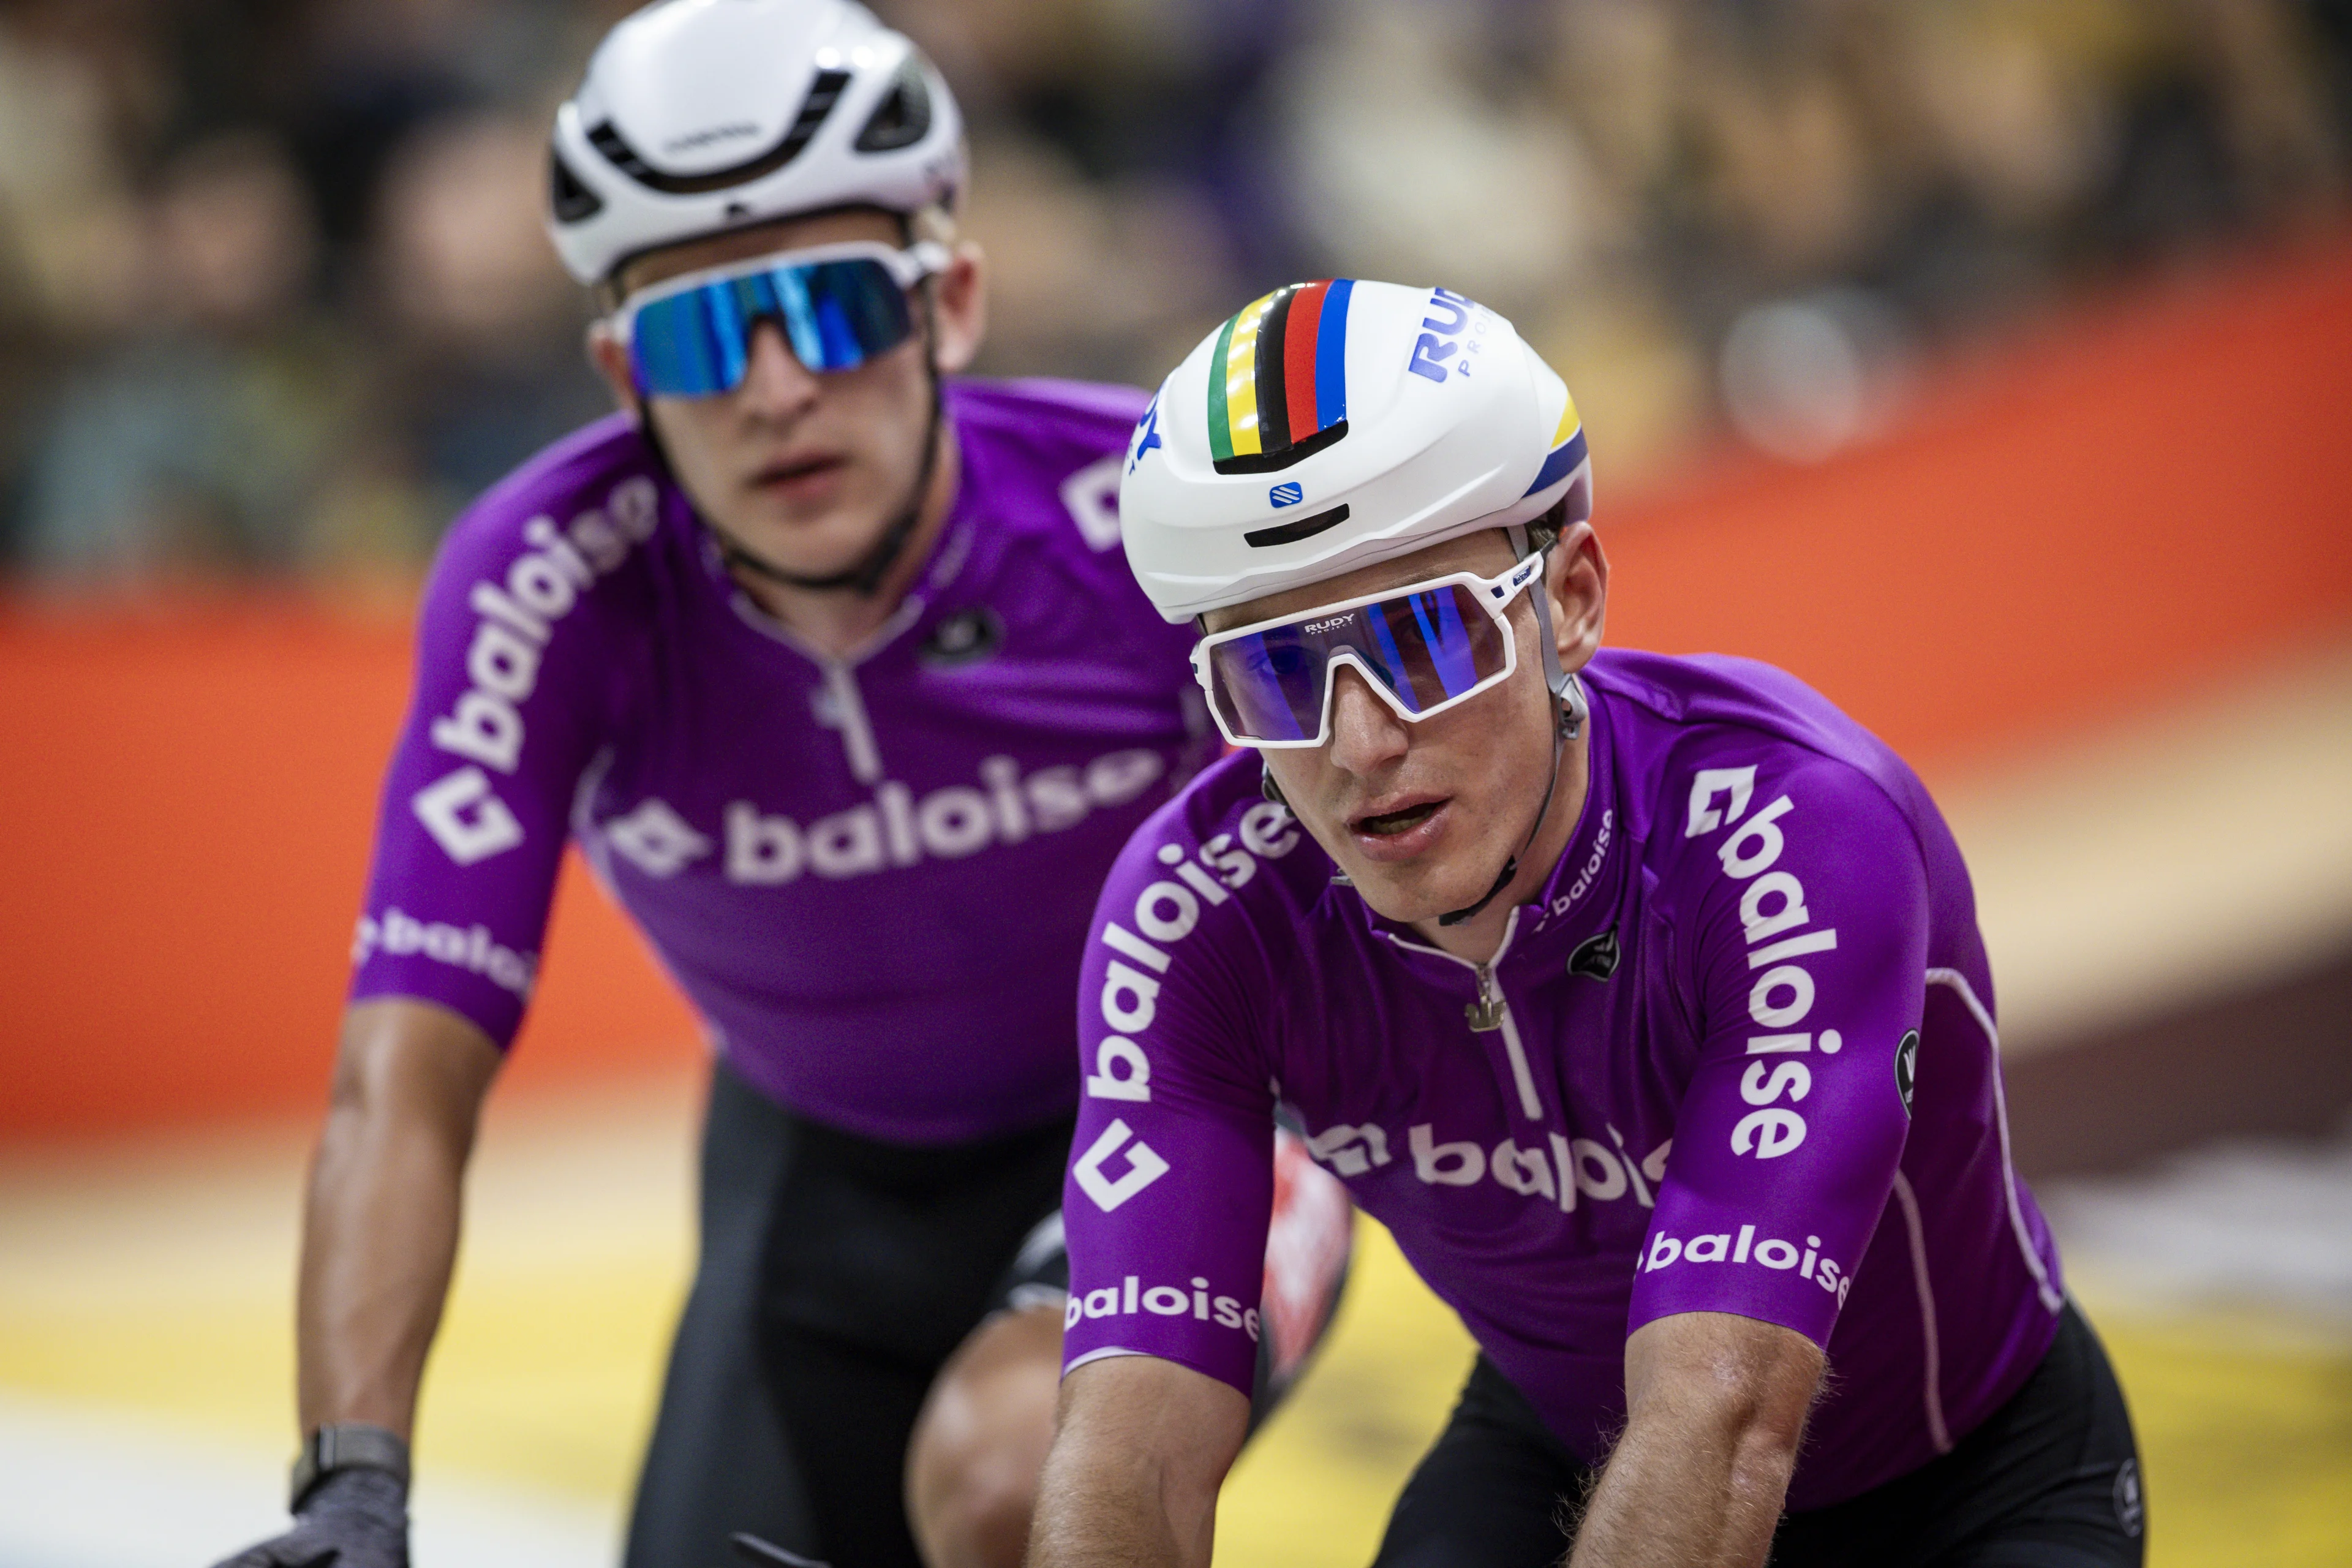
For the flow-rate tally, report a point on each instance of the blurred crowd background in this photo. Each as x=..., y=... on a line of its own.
x=274, y=298
x=2064, y=286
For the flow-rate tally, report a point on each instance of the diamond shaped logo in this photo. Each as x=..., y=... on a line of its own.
x=656, y=840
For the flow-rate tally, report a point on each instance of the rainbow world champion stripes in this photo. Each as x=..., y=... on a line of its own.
x=1278, y=383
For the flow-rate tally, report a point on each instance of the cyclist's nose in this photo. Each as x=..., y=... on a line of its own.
x=776, y=385
x=1366, y=733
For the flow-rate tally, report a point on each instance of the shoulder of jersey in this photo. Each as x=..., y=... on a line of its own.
x=1091, y=415
x=1068, y=439
x=582, y=508
x=1708, y=734
x=1230, y=846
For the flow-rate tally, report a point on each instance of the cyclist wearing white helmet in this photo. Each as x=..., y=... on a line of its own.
x=1641, y=997
x=824, y=656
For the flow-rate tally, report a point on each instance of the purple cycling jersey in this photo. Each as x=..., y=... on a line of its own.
x=872, y=874
x=1749, y=1007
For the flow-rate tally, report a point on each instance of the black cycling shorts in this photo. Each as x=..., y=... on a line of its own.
x=838, y=1274
x=2051, y=1480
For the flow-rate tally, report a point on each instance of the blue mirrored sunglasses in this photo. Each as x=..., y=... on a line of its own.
x=1425, y=647
x=837, y=306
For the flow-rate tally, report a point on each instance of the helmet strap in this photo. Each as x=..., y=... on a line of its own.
x=865, y=575
x=1569, y=710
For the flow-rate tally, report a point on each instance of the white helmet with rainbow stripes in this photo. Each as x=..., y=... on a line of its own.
x=1335, y=424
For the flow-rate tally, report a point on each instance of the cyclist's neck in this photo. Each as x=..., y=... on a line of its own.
x=839, y=621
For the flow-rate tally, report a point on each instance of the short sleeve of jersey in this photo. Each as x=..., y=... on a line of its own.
x=1170, y=1181
x=512, y=666
x=1806, y=923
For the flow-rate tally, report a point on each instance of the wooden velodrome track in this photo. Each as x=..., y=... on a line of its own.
x=2146, y=499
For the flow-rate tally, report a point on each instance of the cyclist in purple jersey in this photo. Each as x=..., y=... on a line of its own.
x=1642, y=998
x=831, y=667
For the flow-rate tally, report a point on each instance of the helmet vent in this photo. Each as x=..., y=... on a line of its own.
x=824, y=93
x=1281, y=457
x=904, y=116
x=1292, y=533
x=573, y=201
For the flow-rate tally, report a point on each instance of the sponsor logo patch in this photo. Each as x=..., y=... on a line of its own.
x=965, y=638
x=2131, y=1508
x=1166, y=912
x=1596, y=958
x=896, y=828
x=1131, y=1296
x=734, y=131
x=1289, y=493
x=518, y=618
x=1144, y=1167
x=470, y=948
x=1906, y=1064
x=1747, y=1250
x=1771, y=906
x=1558, y=1171
x=1147, y=436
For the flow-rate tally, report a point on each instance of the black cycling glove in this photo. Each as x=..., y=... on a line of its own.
x=354, y=1519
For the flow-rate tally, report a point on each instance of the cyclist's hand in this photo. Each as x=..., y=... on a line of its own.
x=353, y=1518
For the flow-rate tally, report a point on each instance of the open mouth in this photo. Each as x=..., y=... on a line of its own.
x=1389, y=824
x=797, y=469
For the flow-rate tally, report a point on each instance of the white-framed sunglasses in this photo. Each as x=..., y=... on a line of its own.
x=838, y=305
x=1425, y=648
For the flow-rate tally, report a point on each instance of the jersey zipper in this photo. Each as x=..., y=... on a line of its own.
x=843, y=705
x=1521, y=1077
x=1488, y=1012
x=1492, y=1013
x=844, y=708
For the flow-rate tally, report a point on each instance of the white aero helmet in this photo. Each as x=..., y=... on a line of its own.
x=702, y=115
x=1335, y=424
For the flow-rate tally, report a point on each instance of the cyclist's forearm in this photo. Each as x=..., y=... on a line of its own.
x=1718, y=1410
x=1684, y=1495
x=1133, y=1478
x=1097, y=1510
x=381, y=1220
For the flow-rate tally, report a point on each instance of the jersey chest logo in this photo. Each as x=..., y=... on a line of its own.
x=893, y=831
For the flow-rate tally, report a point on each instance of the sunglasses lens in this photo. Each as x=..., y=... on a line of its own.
x=1425, y=647
x=1269, y=686
x=1432, y=646
x=835, y=315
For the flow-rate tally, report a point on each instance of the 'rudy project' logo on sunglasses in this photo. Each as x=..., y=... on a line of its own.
x=1327, y=625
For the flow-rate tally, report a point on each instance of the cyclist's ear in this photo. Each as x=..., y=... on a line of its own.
x=1576, y=580
x=609, y=357
x=960, y=308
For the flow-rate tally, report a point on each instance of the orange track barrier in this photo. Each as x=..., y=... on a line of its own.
x=2068, y=527
x=184, y=816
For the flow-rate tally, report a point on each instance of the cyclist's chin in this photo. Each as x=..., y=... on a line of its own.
x=1399, y=894
x=1418, y=875
x=808, y=540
